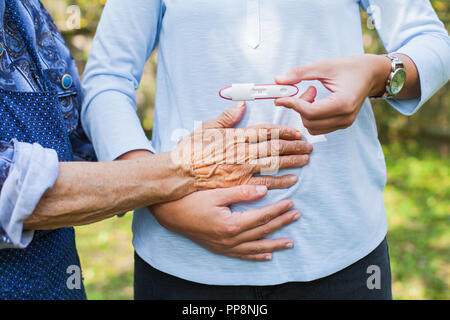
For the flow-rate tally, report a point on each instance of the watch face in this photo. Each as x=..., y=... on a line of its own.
x=398, y=81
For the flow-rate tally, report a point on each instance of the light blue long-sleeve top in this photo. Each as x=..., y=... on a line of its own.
x=207, y=45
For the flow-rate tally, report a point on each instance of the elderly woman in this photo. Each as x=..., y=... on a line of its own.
x=45, y=187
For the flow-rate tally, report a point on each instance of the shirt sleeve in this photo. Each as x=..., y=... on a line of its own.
x=126, y=35
x=27, y=171
x=412, y=28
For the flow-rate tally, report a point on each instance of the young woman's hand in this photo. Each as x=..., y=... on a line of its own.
x=204, y=217
x=350, y=80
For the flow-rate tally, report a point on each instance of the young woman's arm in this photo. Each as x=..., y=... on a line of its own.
x=411, y=31
x=350, y=80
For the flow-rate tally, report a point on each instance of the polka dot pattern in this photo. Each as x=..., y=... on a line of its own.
x=40, y=270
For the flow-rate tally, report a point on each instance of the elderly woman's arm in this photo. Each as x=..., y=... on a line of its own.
x=27, y=171
x=84, y=193
x=37, y=192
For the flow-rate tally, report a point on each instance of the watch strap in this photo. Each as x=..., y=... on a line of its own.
x=396, y=64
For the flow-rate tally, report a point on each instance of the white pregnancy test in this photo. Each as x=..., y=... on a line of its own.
x=251, y=91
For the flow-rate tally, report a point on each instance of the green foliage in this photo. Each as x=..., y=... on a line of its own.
x=418, y=205
x=432, y=120
x=106, y=255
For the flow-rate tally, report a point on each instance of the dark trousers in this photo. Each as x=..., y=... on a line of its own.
x=368, y=278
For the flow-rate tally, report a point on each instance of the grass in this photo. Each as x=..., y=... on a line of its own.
x=106, y=256
x=418, y=205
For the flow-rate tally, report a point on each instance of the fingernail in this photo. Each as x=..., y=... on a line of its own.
x=296, y=216
x=261, y=189
x=291, y=204
x=268, y=257
x=298, y=135
x=289, y=245
x=293, y=179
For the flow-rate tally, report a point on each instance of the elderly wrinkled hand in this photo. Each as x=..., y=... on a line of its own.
x=219, y=156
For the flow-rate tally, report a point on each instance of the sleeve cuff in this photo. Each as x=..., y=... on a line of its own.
x=432, y=59
x=33, y=171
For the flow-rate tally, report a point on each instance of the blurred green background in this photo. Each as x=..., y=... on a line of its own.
x=417, y=195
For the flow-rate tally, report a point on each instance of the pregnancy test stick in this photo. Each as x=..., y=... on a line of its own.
x=251, y=91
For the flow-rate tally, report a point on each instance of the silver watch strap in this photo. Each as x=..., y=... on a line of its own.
x=396, y=64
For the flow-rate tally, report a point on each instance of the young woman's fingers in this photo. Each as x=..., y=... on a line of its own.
x=268, y=228
x=258, y=248
x=309, y=95
x=255, y=257
x=299, y=105
x=324, y=124
x=297, y=74
x=254, y=218
x=228, y=196
x=331, y=106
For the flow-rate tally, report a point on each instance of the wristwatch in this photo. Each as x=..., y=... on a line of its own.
x=396, y=80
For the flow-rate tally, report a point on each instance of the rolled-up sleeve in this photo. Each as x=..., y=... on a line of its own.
x=413, y=28
x=27, y=171
x=126, y=36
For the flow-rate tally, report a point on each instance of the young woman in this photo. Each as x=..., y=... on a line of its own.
x=204, y=46
x=43, y=186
